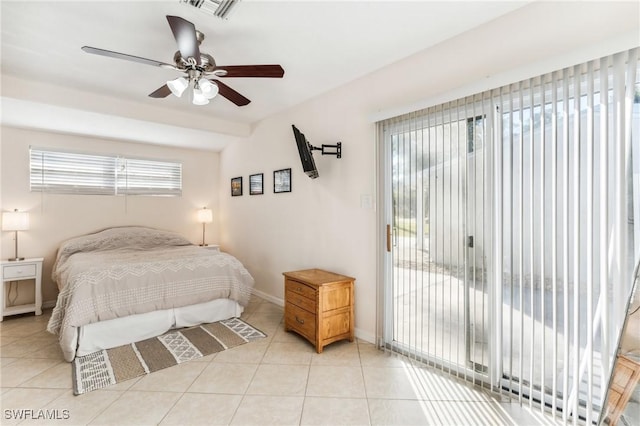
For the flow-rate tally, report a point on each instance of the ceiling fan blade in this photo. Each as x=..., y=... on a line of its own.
x=162, y=92
x=185, y=34
x=231, y=94
x=269, y=71
x=117, y=55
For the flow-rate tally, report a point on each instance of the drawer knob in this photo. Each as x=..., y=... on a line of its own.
x=301, y=321
x=299, y=289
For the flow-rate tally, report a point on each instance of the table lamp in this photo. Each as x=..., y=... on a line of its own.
x=205, y=215
x=15, y=221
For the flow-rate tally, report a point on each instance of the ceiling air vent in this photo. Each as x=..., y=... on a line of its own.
x=219, y=8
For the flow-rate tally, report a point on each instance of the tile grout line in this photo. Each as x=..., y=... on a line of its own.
x=19, y=385
x=105, y=408
x=364, y=383
x=235, y=412
x=184, y=392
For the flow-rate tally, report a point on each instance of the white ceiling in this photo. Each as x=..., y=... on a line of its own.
x=320, y=44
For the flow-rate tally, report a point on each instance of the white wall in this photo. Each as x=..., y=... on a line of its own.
x=57, y=217
x=321, y=223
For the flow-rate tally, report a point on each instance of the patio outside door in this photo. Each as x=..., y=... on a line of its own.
x=437, y=304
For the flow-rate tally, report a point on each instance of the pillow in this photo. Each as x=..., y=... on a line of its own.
x=125, y=237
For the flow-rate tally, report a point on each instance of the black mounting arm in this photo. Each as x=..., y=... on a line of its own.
x=329, y=149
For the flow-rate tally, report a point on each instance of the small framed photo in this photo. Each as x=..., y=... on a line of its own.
x=282, y=180
x=236, y=186
x=256, y=184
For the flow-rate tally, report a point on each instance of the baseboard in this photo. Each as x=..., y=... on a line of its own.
x=268, y=297
x=48, y=304
x=365, y=335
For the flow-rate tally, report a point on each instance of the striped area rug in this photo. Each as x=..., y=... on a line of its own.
x=108, y=367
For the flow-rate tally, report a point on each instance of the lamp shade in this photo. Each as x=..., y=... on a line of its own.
x=199, y=98
x=205, y=215
x=15, y=221
x=178, y=86
x=209, y=89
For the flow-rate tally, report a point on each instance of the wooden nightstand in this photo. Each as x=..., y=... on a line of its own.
x=319, y=306
x=28, y=269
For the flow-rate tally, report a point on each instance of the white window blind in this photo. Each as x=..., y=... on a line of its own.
x=65, y=172
x=147, y=177
x=72, y=173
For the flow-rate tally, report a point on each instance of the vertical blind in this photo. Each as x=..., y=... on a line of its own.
x=514, y=237
x=438, y=302
x=567, y=234
x=67, y=172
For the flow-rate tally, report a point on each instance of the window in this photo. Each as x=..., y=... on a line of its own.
x=64, y=172
x=148, y=177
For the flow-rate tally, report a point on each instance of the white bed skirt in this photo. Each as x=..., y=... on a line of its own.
x=121, y=331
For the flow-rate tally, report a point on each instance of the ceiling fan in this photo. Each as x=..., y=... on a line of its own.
x=197, y=67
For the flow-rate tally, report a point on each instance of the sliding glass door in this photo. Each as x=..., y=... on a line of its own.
x=438, y=295
x=512, y=234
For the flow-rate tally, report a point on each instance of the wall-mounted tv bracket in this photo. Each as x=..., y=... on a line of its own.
x=326, y=149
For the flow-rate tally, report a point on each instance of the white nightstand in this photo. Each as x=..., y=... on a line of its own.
x=28, y=269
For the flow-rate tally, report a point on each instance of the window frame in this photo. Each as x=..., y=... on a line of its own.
x=77, y=173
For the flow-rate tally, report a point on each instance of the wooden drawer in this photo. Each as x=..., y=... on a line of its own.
x=336, y=325
x=301, y=321
x=336, y=297
x=301, y=301
x=301, y=289
x=19, y=271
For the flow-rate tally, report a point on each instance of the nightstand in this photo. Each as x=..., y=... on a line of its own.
x=319, y=306
x=28, y=269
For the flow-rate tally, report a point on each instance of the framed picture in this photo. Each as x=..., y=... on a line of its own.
x=282, y=180
x=236, y=186
x=256, y=185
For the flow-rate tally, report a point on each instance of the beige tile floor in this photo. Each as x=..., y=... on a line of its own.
x=279, y=380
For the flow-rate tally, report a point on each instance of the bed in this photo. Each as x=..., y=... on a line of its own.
x=126, y=284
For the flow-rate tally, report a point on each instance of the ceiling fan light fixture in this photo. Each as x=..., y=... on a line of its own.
x=209, y=89
x=178, y=86
x=199, y=98
x=196, y=65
